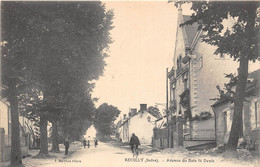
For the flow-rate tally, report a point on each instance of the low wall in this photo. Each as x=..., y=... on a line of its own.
x=191, y=143
x=203, y=129
x=160, y=138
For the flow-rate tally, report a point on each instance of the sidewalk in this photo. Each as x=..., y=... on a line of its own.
x=30, y=161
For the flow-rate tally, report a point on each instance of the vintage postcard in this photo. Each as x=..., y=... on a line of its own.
x=130, y=83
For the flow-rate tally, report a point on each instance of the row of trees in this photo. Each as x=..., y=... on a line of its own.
x=239, y=41
x=50, y=53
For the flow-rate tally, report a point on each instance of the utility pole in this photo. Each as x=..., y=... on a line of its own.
x=167, y=111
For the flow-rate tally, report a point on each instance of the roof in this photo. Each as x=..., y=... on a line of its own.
x=251, y=86
x=220, y=102
x=119, y=123
x=127, y=119
x=4, y=100
x=255, y=74
x=191, y=30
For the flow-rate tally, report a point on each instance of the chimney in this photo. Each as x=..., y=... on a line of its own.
x=180, y=16
x=133, y=111
x=179, y=9
x=143, y=107
x=129, y=114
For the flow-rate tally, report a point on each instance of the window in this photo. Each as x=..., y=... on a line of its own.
x=225, y=121
x=185, y=82
x=200, y=62
x=179, y=61
x=180, y=109
x=173, y=91
x=173, y=94
x=256, y=114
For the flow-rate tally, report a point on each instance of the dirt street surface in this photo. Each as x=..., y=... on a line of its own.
x=107, y=154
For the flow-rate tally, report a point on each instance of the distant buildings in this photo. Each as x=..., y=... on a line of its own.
x=141, y=123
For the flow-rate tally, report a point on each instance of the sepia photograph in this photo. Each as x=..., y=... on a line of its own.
x=129, y=83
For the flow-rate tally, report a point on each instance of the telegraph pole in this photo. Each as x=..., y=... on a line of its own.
x=167, y=111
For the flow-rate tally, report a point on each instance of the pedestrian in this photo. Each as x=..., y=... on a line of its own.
x=84, y=143
x=67, y=145
x=96, y=142
x=88, y=143
x=38, y=142
x=134, y=141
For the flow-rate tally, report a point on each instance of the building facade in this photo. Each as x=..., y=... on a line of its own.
x=141, y=123
x=193, y=79
x=224, y=109
x=5, y=135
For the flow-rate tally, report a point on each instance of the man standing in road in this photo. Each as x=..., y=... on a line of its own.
x=96, y=142
x=134, y=141
x=84, y=143
x=67, y=145
x=88, y=143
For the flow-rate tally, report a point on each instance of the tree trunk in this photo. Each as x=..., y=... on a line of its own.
x=55, y=143
x=16, y=159
x=242, y=79
x=43, y=138
x=238, y=105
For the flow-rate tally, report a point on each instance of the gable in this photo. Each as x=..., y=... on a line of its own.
x=191, y=30
x=143, y=115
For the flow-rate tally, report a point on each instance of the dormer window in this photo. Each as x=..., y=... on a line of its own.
x=250, y=80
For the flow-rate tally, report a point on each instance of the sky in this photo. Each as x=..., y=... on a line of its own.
x=144, y=40
x=90, y=133
x=143, y=47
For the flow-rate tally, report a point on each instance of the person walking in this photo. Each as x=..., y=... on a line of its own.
x=67, y=145
x=134, y=142
x=84, y=143
x=88, y=143
x=96, y=142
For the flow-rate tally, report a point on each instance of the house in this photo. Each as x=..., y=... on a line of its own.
x=139, y=123
x=5, y=136
x=224, y=109
x=193, y=78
